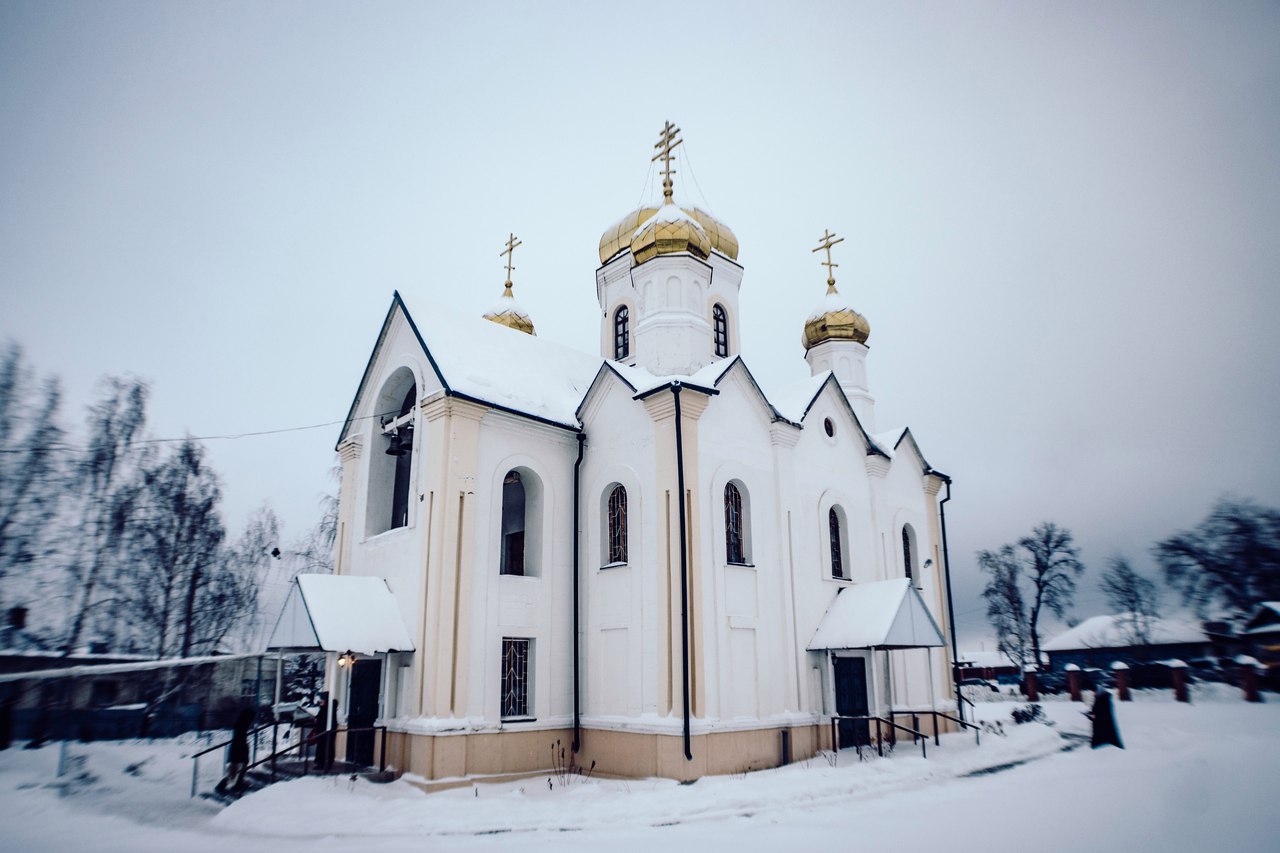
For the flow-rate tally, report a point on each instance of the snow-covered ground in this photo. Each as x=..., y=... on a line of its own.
x=1193, y=777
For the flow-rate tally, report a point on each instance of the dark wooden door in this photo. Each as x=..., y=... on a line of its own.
x=851, y=701
x=366, y=684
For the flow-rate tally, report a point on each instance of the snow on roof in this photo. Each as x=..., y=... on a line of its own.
x=493, y=364
x=793, y=401
x=832, y=302
x=669, y=212
x=880, y=614
x=888, y=440
x=1114, y=631
x=986, y=659
x=643, y=382
x=340, y=613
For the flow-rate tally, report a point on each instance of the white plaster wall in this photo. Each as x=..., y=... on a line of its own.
x=536, y=607
x=620, y=605
x=744, y=607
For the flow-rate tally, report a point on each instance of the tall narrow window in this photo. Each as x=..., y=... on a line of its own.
x=735, y=547
x=621, y=333
x=513, y=505
x=906, y=549
x=401, y=447
x=515, y=677
x=720, y=324
x=837, y=561
x=617, y=526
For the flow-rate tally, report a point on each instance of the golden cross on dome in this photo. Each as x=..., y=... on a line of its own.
x=666, y=144
x=829, y=240
x=509, y=252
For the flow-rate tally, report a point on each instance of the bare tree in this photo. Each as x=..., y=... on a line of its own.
x=108, y=490
x=176, y=551
x=1049, y=561
x=29, y=469
x=1006, y=609
x=1232, y=558
x=1135, y=598
x=257, y=561
x=314, y=552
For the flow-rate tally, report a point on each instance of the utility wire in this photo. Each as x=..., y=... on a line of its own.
x=227, y=436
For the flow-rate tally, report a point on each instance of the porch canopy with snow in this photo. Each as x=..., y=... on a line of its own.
x=878, y=615
x=883, y=616
x=340, y=613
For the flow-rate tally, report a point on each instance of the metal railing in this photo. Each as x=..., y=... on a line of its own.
x=300, y=746
x=917, y=736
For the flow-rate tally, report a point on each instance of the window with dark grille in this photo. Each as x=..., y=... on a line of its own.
x=513, y=501
x=621, y=333
x=515, y=677
x=837, y=563
x=906, y=549
x=617, y=525
x=734, y=545
x=720, y=322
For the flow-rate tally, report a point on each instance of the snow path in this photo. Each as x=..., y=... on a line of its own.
x=1196, y=777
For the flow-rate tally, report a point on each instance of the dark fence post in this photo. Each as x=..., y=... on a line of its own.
x=1179, y=671
x=1121, y=671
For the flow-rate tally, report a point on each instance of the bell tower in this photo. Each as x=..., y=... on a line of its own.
x=835, y=339
x=668, y=284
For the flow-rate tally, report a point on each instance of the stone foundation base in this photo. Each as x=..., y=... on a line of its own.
x=447, y=759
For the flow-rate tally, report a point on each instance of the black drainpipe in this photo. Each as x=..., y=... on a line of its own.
x=684, y=572
x=577, y=704
x=951, y=608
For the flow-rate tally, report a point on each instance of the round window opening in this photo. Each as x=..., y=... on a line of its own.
x=829, y=427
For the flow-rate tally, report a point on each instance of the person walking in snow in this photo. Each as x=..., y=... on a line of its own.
x=238, y=756
x=1103, y=715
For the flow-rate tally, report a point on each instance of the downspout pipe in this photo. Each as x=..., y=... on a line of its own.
x=684, y=571
x=951, y=607
x=577, y=536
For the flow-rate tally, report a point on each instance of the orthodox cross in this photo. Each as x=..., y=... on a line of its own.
x=666, y=145
x=509, y=252
x=829, y=240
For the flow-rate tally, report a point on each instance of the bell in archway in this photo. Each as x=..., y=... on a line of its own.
x=397, y=447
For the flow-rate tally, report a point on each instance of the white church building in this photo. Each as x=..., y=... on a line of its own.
x=635, y=553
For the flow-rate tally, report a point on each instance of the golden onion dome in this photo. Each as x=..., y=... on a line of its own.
x=619, y=236
x=835, y=320
x=509, y=313
x=669, y=231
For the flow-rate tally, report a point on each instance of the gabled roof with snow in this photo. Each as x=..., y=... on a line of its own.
x=340, y=613
x=878, y=615
x=1115, y=632
x=485, y=362
x=1266, y=620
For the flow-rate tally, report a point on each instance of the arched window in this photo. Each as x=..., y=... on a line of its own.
x=388, y=502
x=401, y=447
x=720, y=325
x=907, y=557
x=621, y=333
x=513, y=506
x=837, y=558
x=617, y=512
x=735, y=526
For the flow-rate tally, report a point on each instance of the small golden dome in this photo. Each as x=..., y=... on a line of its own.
x=669, y=231
x=509, y=313
x=618, y=237
x=835, y=320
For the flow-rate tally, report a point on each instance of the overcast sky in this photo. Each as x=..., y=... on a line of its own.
x=1062, y=219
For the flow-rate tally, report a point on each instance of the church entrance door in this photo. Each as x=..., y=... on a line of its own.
x=851, y=701
x=362, y=713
